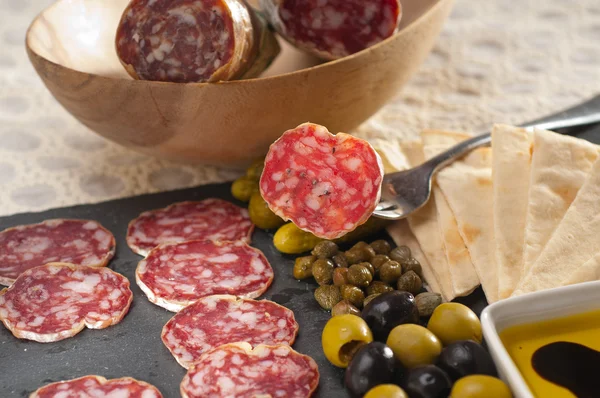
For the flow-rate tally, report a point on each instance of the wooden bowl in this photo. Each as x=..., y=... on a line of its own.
x=71, y=46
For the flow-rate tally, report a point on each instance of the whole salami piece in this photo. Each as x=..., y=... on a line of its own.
x=221, y=319
x=175, y=275
x=331, y=29
x=211, y=219
x=55, y=301
x=237, y=370
x=98, y=387
x=325, y=184
x=82, y=242
x=187, y=41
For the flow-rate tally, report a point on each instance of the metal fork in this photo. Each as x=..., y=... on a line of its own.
x=405, y=192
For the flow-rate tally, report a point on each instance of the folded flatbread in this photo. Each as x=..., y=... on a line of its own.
x=511, y=159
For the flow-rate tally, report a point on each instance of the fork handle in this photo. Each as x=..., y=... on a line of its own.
x=582, y=114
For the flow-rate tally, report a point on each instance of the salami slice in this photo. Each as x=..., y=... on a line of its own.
x=236, y=370
x=325, y=184
x=98, y=387
x=216, y=320
x=211, y=219
x=55, y=301
x=186, y=41
x=82, y=242
x=332, y=29
x=175, y=275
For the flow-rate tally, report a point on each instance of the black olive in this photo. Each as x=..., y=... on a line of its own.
x=464, y=358
x=427, y=381
x=372, y=365
x=389, y=310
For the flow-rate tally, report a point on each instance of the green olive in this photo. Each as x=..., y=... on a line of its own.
x=254, y=171
x=381, y=246
x=427, y=302
x=414, y=345
x=410, y=282
x=359, y=275
x=378, y=261
x=327, y=296
x=261, y=215
x=353, y=295
x=480, y=386
x=340, y=260
x=400, y=254
x=386, y=391
x=368, y=266
x=325, y=249
x=344, y=307
x=340, y=276
x=290, y=239
x=322, y=270
x=342, y=336
x=378, y=287
x=303, y=267
x=452, y=322
x=412, y=265
x=390, y=271
x=369, y=298
x=243, y=188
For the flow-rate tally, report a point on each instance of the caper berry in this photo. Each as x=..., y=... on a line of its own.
x=369, y=266
x=377, y=287
x=344, y=307
x=381, y=246
x=378, y=261
x=327, y=296
x=340, y=276
x=369, y=298
x=410, y=282
x=325, y=249
x=359, y=275
x=322, y=270
x=427, y=302
x=390, y=271
x=353, y=295
x=340, y=260
x=400, y=254
x=303, y=267
x=412, y=265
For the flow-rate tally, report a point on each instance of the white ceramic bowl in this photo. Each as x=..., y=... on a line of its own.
x=531, y=308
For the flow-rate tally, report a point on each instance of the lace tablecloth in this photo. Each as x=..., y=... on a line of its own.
x=496, y=61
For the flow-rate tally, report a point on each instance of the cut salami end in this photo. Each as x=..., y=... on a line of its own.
x=237, y=370
x=175, y=275
x=209, y=219
x=98, y=387
x=216, y=320
x=55, y=301
x=325, y=184
x=332, y=29
x=187, y=41
x=82, y=242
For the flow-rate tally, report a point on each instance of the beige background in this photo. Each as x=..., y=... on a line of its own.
x=495, y=61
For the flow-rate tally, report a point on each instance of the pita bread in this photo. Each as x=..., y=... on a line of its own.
x=589, y=271
x=473, y=212
x=559, y=166
x=573, y=243
x=511, y=158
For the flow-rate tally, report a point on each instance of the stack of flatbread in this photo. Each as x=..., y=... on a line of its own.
x=521, y=216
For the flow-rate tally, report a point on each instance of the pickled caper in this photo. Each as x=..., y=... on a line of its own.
x=255, y=170
x=340, y=260
x=378, y=287
x=303, y=267
x=378, y=261
x=369, y=266
x=400, y=254
x=412, y=265
x=261, y=215
x=353, y=295
x=344, y=307
x=353, y=256
x=322, y=270
x=243, y=188
x=325, y=249
x=359, y=275
x=381, y=246
x=390, y=271
x=410, y=282
x=365, y=249
x=369, y=298
x=327, y=296
x=340, y=276
x=427, y=302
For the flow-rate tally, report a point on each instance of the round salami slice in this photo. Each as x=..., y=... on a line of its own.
x=332, y=29
x=210, y=219
x=325, y=184
x=98, y=387
x=216, y=320
x=175, y=275
x=186, y=41
x=55, y=301
x=82, y=242
x=237, y=370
